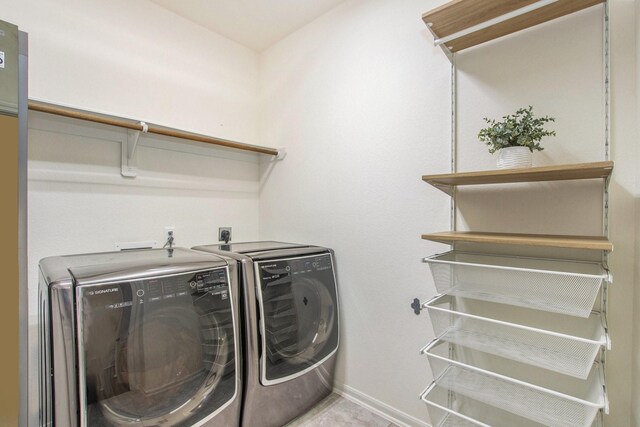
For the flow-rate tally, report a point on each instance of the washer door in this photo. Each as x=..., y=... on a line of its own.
x=158, y=351
x=299, y=309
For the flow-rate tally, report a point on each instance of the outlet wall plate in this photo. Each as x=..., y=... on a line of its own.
x=221, y=230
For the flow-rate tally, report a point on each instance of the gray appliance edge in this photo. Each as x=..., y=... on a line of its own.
x=57, y=303
x=301, y=393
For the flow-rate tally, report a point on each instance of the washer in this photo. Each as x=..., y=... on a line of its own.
x=139, y=338
x=291, y=329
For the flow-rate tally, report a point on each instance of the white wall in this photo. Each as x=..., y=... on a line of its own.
x=79, y=202
x=625, y=153
x=135, y=59
x=557, y=68
x=360, y=98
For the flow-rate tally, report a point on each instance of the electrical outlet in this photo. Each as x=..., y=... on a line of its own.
x=224, y=234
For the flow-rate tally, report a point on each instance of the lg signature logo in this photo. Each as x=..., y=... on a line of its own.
x=103, y=291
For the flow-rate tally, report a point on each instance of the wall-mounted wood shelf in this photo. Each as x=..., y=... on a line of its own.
x=446, y=182
x=460, y=24
x=553, y=241
x=151, y=128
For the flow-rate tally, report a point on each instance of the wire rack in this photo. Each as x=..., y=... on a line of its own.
x=526, y=399
x=556, y=351
x=558, y=286
x=450, y=409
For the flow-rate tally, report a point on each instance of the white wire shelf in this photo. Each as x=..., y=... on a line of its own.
x=491, y=380
x=564, y=344
x=448, y=409
x=558, y=286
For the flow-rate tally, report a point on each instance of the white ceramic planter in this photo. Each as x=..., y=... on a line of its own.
x=514, y=157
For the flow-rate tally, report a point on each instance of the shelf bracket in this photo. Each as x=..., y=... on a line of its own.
x=129, y=164
x=443, y=46
x=282, y=153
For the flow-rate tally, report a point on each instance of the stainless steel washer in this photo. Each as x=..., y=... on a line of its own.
x=139, y=338
x=291, y=327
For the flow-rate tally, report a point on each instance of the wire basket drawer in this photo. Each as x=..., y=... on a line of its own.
x=448, y=409
x=559, y=286
x=563, y=344
x=576, y=404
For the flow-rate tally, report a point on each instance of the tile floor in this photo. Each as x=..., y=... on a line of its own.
x=336, y=411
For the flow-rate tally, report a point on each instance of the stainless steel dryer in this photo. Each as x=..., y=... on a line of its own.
x=290, y=312
x=139, y=338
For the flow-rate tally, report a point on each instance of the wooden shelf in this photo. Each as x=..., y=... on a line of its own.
x=446, y=182
x=472, y=22
x=569, y=242
x=90, y=116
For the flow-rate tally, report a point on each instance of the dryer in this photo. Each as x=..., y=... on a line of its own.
x=291, y=327
x=139, y=338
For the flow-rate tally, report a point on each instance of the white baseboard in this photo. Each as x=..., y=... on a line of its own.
x=379, y=408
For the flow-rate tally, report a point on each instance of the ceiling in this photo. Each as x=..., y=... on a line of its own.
x=257, y=24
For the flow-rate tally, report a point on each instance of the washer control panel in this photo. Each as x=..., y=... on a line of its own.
x=154, y=290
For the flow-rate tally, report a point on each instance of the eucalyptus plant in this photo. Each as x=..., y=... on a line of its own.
x=521, y=129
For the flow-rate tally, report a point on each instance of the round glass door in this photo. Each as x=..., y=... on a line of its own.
x=159, y=351
x=300, y=315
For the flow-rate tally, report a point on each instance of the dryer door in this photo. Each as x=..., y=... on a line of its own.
x=157, y=351
x=299, y=315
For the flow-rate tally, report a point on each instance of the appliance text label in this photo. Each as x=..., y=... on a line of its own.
x=103, y=291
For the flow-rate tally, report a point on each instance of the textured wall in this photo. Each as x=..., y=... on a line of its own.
x=360, y=98
x=138, y=60
x=79, y=203
x=557, y=68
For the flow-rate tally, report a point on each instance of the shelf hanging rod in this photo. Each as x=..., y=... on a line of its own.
x=147, y=128
x=494, y=21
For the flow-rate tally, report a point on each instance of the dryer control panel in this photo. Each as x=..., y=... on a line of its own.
x=274, y=270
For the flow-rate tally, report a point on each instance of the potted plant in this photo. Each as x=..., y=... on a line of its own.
x=516, y=137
